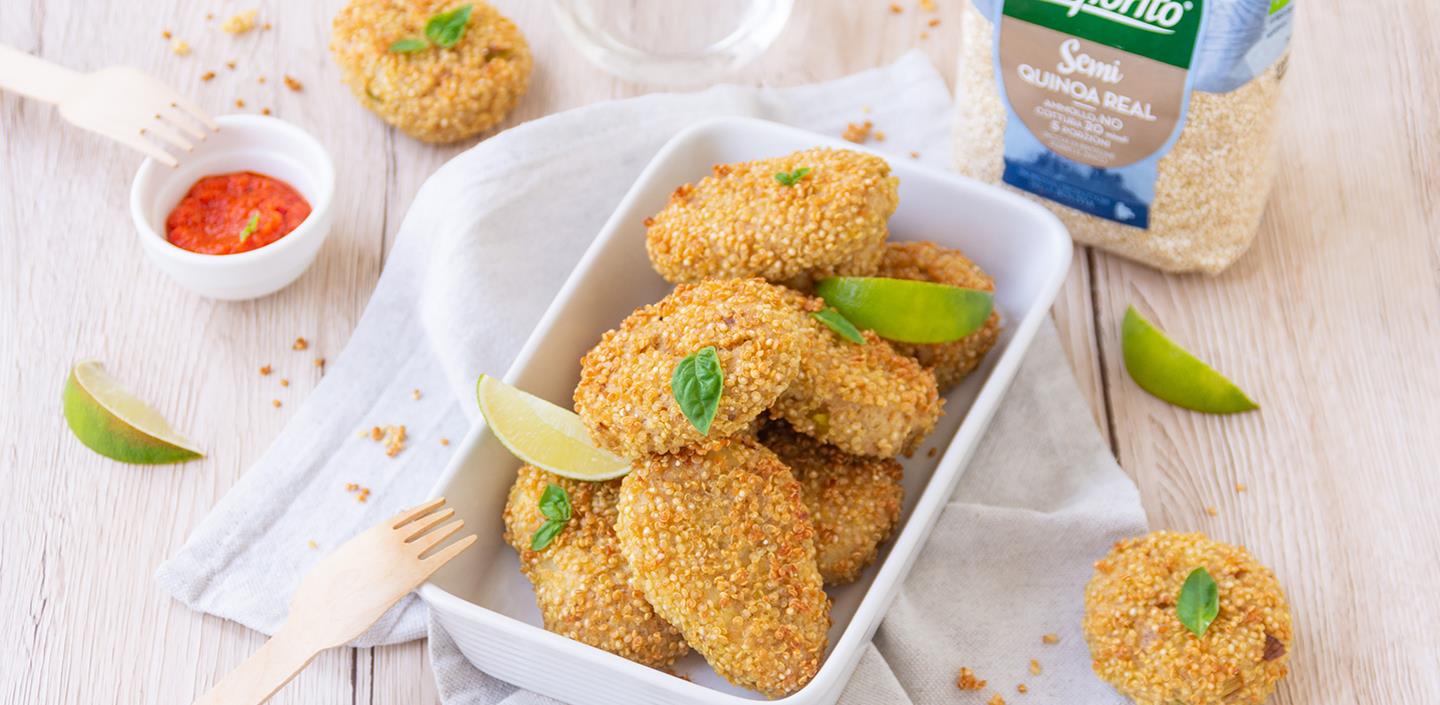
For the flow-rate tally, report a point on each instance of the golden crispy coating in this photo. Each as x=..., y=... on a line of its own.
x=854, y=501
x=721, y=543
x=865, y=399
x=743, y=222
x=624, y=396
x=1139, y=646
x=583, y=585
x=436, y=94
x=926, y=261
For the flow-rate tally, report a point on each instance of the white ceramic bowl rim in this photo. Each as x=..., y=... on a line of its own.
x=319, y=162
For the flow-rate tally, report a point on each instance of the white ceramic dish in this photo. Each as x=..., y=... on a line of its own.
x=244, y=143
x=484, y=602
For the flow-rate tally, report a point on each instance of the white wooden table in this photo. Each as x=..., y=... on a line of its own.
x=1332, y=322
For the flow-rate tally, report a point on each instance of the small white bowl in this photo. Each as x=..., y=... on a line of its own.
x=263, y=145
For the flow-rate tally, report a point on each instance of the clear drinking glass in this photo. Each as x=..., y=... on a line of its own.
x=672, y=42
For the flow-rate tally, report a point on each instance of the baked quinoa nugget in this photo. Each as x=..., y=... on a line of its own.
x=583, y=585
x=854, y=501
x=624, y=395
x=1138, y=644
x=436, y=94
x=864, y=399
x=721, y=542
x=742, y=221
x=926, y=261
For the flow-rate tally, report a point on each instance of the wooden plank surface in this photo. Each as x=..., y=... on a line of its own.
x=1332, y=322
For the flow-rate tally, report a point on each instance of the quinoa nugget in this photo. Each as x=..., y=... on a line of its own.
x=743, y=222
x=854, y=501
x=721, y=543
x=864, y=399
x=435, y=94
x=927, y=261
x=1138, y=644
x=583, y=585
x=624, y=395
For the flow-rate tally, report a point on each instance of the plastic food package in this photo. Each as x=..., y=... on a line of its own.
x=1147, y=126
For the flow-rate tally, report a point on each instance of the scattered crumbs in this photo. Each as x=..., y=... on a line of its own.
x=239, y=103
x=351, y=487
x=300, y=344
x=207, y=75
x=967, y=680
x=1050, y=639
x=284, y=382
x=320, y=362
x=934, y=450
x=926, y=35
x=914, y=155
x=995, y=700
x=896, y=9
x=857, y=132
x=1034, y=667
x=264, y=370
x=230, y=64
x=264, y=111
x=362, y=494
x=260, y=80
x=166, y=34
x=311, y=543
x=266, y=27
x=209, y=16
x=444, y=441
x=415, y=394
x=180, y=47
x=240, y=22
x=927, y=5
x=934, y=22
x=1212, y=511
x=293, y=84
x=394, y=440
x=1240, y=487
x=376, y=433
x=275, y=403
x=879, y=136
x=1022, y=689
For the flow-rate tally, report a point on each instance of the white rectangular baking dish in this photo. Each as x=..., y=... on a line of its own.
x=488, y=607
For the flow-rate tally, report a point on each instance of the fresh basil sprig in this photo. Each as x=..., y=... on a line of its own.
x=444, y=30
x=840, y=324
x=793, y=177
x=250, y=227
x=1199, y=602
x=555, y=505
x=696, y=384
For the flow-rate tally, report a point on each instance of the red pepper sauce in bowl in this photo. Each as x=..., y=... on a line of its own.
x=229, y=213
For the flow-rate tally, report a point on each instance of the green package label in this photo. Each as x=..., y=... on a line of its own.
x=1163, y=30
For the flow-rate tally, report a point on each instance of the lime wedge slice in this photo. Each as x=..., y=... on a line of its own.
x=109, y=420
x=1167, y=371
x=544, y=435
x=906, y=310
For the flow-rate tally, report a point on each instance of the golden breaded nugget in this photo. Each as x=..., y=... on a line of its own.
x=744, y=222
x=865, y=399
x=624, y=395
x=854, y=501
x=721, y=543
x=583, y=585
x=927, y=261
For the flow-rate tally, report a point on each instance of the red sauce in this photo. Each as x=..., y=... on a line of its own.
x=229, y=213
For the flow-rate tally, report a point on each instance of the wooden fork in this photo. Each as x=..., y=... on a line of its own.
x=118, y=102
x=345, y=593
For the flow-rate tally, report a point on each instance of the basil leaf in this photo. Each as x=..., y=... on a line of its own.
x=840, y=324
x=250, y=227
x=545, y=534
x=1199, y=602
x=792, y=178
x=409, y=45
x=697, y=384
x=446, y=28
x=555, y=503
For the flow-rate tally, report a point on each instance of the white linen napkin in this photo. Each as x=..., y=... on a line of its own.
x=484, y=248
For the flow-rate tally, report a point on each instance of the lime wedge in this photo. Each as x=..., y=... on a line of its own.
x=544, y=435
x=906, y=310
x=1170, y=373
x=112, y=422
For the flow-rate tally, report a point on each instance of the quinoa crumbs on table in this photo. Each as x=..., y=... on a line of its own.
x=967, y=680
x=300, y=344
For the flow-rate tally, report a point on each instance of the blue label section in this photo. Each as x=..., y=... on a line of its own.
x=1094, y=194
